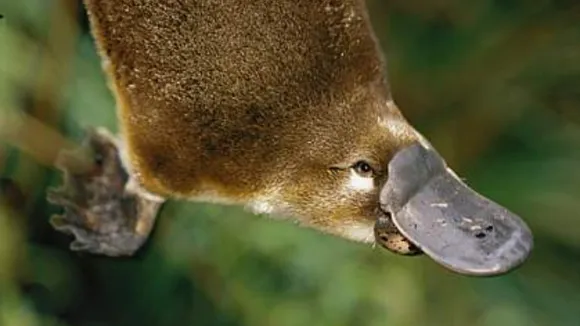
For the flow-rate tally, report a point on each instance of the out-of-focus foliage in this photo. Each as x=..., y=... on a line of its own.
x=494, y=84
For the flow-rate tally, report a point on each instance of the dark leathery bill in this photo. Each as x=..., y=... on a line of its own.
x=451, y=223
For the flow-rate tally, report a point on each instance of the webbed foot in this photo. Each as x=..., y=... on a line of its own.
x=103, y=209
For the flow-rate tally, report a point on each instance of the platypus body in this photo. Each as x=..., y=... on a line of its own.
x=283, y=106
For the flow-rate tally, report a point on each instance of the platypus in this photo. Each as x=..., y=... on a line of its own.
x=280, y=106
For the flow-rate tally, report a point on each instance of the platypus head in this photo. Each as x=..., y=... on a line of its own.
x=366, y=174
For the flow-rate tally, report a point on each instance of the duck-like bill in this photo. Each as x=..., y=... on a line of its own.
x=451, y=223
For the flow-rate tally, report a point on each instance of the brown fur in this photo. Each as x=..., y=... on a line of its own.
x=239, y=99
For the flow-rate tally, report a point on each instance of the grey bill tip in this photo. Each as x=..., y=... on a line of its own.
x=451, y=223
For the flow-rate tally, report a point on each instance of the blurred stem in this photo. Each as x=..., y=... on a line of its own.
x=34, y=138
x=37, y=134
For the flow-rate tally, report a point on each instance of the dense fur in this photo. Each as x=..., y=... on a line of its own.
x=264, y=103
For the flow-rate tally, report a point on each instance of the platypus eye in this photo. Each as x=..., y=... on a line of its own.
x=364, y=169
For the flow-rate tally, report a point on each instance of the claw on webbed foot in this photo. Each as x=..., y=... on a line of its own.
x=104, y=215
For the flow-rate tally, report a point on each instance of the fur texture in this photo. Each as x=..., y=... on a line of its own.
x=262, y=103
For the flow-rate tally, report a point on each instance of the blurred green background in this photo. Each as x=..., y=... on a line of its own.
x=495, y=85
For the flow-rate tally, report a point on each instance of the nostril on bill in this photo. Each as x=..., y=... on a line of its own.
x=485, y=232
x=480, y=235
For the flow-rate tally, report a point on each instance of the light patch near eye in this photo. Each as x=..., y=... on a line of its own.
x=360, y=183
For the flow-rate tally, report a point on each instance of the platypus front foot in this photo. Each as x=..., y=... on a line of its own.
x=103, y=209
